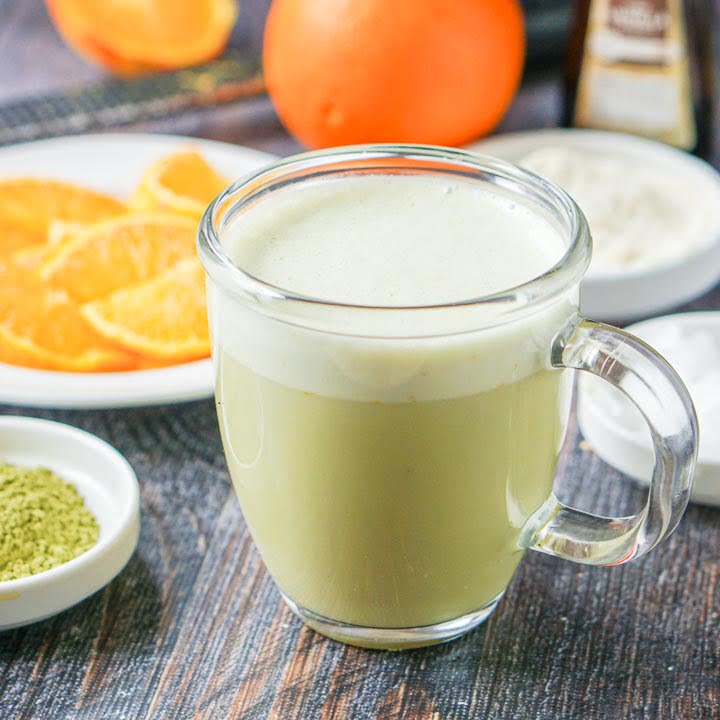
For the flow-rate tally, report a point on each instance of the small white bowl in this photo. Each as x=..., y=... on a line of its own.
x=109, y=487
x=627, y=446
x=626, y=295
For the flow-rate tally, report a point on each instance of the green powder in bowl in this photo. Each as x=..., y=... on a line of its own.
x=43, y=522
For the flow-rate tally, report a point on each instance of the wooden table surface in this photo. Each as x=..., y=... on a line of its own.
x=193, y=627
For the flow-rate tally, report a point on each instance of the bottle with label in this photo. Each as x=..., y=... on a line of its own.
x=643, y=67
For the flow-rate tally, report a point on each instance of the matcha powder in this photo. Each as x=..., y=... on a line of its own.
x=43, y=522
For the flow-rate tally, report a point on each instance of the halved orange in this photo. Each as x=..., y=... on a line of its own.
x=182, y=182
x=120, y=252
x=164, y=318
x=131, y=36
x=28, y=205
x=42, y=327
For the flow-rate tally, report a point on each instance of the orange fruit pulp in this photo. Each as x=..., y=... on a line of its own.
x=88, y=285
x=120, y=252
x=29, y=205
x=164, y=318
x=46, y=329
x=182, y=182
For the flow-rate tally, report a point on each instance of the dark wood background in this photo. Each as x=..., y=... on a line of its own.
x=193, y=628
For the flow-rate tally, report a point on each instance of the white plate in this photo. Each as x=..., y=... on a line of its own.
x=113, y=164
x=624, y=442
x=109, y=488
x=629, y=295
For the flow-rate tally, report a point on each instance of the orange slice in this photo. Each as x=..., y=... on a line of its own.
x=120, y=252
x=42, y=327
x=27, y=206
x=28, y=259
x=61, y=230
x=165, y=318
x=182, y=183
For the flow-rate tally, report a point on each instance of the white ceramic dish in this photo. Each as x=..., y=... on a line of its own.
x=111, y=163
x=110, y=490
x=630, y=450
x=628, y=295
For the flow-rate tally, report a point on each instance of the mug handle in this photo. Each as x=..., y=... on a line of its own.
x=656, y=389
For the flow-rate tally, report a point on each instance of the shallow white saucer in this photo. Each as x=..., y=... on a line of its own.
x=628, y=447
x=109, y=487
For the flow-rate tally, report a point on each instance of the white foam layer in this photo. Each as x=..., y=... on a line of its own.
x=384, y=370
x=394, y=241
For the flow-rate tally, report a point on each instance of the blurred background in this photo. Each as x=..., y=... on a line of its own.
x=47, y=89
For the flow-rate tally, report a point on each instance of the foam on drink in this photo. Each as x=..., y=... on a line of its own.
x=394, y=241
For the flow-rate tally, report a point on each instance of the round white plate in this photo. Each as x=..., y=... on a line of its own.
x=625, y=295
x=109, y=488
x=113, y=164
x=616, y=431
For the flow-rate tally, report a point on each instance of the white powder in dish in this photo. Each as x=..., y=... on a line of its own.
x=641, y=215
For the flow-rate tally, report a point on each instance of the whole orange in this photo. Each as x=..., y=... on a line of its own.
x=428, y=71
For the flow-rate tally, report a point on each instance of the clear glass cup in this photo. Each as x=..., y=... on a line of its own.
x=393, y=464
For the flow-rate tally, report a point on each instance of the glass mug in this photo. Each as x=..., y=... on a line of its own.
x=394, y=463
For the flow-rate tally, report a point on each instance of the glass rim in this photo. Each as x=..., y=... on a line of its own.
x=567, y=271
